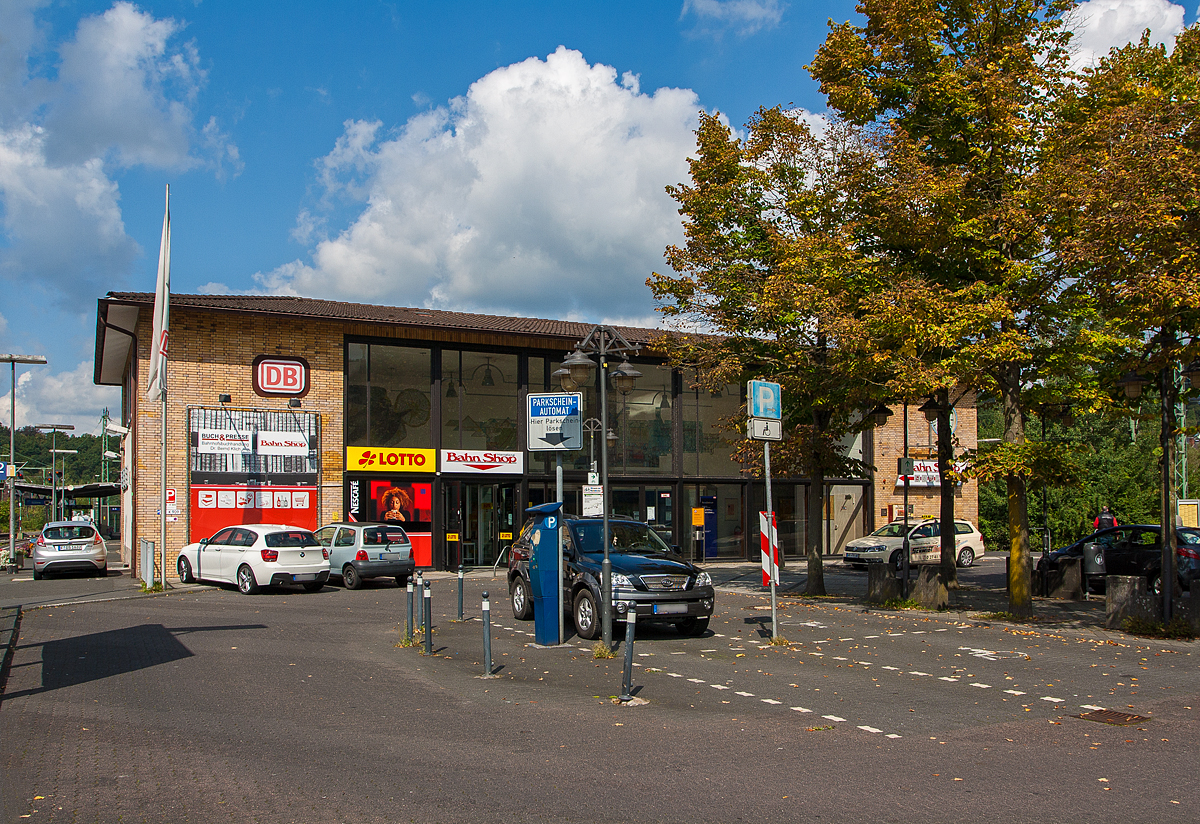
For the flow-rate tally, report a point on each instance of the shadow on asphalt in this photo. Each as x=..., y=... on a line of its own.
x=72, y=661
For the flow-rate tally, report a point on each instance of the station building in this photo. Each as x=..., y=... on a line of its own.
x=301, y=411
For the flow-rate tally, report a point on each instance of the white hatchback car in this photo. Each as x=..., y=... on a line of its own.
x=924, y=542
x=257, y=555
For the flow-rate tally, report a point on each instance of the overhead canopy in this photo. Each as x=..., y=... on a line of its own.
x=73, y=491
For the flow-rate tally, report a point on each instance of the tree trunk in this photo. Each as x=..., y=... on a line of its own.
x=948, y=570
x=815, y=533
x=1020, y=571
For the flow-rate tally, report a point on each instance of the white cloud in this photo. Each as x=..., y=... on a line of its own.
x=63, y=397
x=540, y=192
x=1103, y=24
x=745, y=17
x=120, y=94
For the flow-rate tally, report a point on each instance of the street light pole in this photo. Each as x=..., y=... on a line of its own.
x=604, y=341
x=54, y=428
x=12, y=361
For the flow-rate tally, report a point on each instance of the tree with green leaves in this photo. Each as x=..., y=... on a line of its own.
x=767, y=285
x=959, y=94
x=1126, y=159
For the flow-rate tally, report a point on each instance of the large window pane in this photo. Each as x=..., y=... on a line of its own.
x=357, y=395
x=481, y=406
x=723, y=533
x=642, y=422
x=399, y=396
x=706, y=440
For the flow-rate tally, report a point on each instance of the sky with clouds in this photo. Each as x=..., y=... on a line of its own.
x=504, y=158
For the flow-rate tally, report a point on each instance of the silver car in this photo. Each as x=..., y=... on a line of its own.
x=69, y=546
x=360, y=551
x=924, y=542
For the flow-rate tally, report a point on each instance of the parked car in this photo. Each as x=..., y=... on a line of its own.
x=361, y=551
x=885, y=544
x=1130, y=550
x=645, y=570
x=257, y=555
x=69, y=546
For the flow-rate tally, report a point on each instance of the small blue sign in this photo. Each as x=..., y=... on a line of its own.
x=555, y=421
x=3, y=470
x=765, y=400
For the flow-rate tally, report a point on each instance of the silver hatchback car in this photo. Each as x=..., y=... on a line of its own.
x=359, y=551
x=69, y=546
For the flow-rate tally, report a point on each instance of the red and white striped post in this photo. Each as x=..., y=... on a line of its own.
x=769, y=549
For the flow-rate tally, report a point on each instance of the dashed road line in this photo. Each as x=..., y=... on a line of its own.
x=745, y=694
x=1052, y=698
x=834, y=718
x=947, y=678
x=770, y=701
x=1014, y=692
x=865, y=728
x=981, y=686
x=719, y=686
x=801, y=709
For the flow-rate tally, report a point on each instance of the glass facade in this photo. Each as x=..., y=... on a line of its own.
x=670, y=452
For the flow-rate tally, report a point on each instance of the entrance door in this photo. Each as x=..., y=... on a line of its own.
x=484, y=517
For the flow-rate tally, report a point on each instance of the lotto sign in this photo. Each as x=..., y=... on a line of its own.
x=555, y=422
x=389, y=459
x=275, y=376
x=770, y=557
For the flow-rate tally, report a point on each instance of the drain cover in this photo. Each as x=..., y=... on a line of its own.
x=1113, y=717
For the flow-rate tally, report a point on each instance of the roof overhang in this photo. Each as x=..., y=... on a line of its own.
x=116, y=323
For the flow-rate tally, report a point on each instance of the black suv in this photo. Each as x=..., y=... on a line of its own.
x=1132, y=550
x=646, y=571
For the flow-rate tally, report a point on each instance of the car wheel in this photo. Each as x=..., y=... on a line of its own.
x=966, y=557
x=587, y=621
x=37, y=576
x=897, y=559
x=1154, y=585
x=692, y=626
x=245, y=581
x=518, y=592
x=351, y=578
x=185, y=571
x=102, y=572
x=313, y=586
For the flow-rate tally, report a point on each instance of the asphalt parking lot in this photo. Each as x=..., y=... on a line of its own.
x=208, y=705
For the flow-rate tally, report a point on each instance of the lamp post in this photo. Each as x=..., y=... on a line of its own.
x=604, y=341
x=12, y=361
x=64, y=453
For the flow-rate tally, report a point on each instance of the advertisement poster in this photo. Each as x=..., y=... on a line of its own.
x=402, y=502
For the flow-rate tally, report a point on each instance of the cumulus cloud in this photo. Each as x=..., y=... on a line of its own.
x=1103, y=24
x=539, y=192
x=744, y=17
x=119, y=93
x=70, y=397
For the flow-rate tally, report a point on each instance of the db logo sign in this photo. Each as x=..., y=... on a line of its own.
x=274, y=376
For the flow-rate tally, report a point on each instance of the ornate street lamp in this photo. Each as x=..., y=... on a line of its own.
x=604, y=341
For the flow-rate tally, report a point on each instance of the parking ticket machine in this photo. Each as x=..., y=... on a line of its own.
x=544, y=582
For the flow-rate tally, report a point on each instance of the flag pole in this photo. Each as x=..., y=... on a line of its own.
x=156, y=389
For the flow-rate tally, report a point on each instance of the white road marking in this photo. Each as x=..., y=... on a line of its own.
x=845, y=639
x=840, y=658
x=865, y=728
x=1052, y=698
x=1092, y=707
x=696, y=680
x=801, y=709
x=679, y=653
x=1014, y=692
x=718, y=635
x=708, y=650
x=943, y=629
x=674, y=675
x=893, y=735
x=915, y=672
x=918, y=632
x=981, y=686
x=746, y=694
x=947, y=678
x=833, y=718
x=863, y=663
x=818, y=654
x=770, y=701
x=645, y=654
x=895, y=669
x=719, y=686
x=872, y=636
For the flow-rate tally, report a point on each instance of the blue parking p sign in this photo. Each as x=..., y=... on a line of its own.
x=765, y=400
x=3, y=470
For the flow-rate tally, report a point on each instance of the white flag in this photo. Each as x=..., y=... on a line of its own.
x=157, y=385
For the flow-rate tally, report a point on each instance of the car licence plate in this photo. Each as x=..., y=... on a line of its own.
x=389, y=556
x=306, y=576
x=670, y=609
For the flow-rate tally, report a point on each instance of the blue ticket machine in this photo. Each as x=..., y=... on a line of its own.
x=544, y=582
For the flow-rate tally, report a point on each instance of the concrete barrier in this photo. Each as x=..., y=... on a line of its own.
x=1126, y=597
x=1065, y=579
x=882, y=584
x=929, y=590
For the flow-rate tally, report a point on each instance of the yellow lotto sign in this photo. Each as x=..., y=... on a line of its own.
x=389, y=459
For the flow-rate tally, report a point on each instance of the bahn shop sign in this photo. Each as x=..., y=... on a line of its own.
x=555, y=421
x=276, y=376
x=389, y=459
x=483, y=463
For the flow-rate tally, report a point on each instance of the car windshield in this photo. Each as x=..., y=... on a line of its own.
x=384, y=535
x=627, y=538
x=68, y=533
x=892, y=530
x=291, y=538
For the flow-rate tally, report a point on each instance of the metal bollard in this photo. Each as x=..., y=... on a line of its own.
x=627, y=680
x=487, y=635
x=410, y=611
x=428, y=622
x=460, y=592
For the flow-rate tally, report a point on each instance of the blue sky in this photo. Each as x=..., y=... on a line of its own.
x=491, y=157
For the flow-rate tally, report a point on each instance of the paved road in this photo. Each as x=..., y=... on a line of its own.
x=211, y=706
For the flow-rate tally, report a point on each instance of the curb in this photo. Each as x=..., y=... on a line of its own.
x=10, y=630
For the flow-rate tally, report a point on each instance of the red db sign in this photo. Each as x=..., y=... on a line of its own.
x=274, y=376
